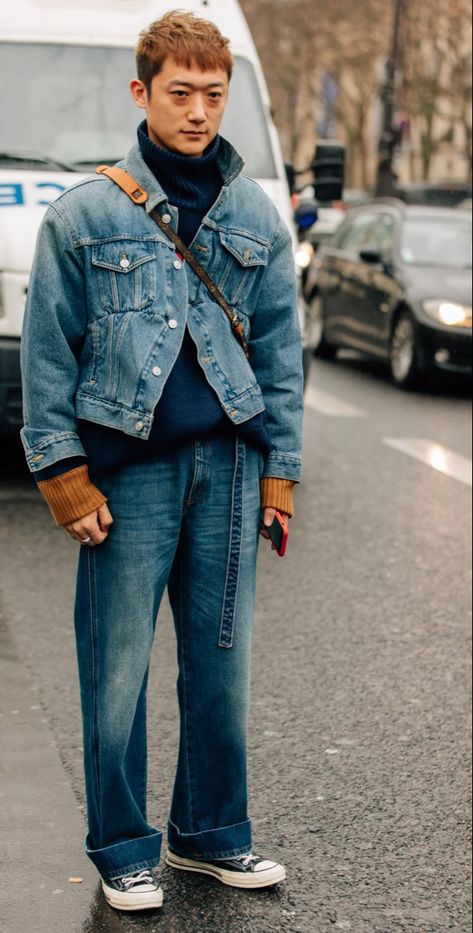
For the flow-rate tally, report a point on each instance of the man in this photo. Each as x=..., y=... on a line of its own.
x=156, y=442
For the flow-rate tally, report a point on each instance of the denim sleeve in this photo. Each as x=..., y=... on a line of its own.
x=53, y=334
x=276, y=358
x=59, y=469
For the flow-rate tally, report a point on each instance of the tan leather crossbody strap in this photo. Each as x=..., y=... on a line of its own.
x=138, y=195
x=124, y=181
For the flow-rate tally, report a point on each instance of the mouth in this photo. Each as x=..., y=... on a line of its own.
x=194, y=133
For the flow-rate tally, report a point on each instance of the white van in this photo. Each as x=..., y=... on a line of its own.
x=65, y=66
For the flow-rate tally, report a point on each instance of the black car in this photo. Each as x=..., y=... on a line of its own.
x=435, y=194
x=395, y=282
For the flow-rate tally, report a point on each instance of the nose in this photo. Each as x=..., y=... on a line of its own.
x=197, y=112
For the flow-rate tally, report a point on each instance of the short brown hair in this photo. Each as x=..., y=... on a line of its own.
x=185, y=37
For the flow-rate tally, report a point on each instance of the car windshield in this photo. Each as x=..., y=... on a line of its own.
x=72, y=106
x=436, y=241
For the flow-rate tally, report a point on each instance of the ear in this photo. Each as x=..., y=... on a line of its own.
x=138, y=93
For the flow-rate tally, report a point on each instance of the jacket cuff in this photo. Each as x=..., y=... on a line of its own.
x=71, y=496
x=277, y=494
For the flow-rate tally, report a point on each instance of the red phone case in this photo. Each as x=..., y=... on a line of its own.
x=279, y=534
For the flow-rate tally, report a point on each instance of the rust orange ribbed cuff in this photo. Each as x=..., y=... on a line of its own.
x=277, y=494
x=71, y=496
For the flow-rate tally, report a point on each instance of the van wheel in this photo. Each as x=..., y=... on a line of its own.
x=404, y=352
x=320, y=347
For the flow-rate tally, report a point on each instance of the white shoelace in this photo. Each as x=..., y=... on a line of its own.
x=143, y=877
x=246, y=860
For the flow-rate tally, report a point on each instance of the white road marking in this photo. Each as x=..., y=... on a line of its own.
x=326, y=404
x=434, y=455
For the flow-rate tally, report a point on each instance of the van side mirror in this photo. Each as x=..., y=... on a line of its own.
x=291, y=177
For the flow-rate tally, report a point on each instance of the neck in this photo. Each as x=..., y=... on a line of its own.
x=188, y=181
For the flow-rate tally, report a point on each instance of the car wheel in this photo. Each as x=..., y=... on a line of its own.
x=404, y=352
x=317, y=341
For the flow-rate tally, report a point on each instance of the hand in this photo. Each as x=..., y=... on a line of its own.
x=268, y=519
x=94, y=526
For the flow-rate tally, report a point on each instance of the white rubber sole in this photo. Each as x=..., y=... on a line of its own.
x=131, y=902
x=261, y=879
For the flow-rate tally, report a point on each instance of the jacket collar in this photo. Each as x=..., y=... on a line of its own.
x=229, y=163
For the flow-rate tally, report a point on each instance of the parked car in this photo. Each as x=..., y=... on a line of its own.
x=395, y=282
x=435, y=193
x=353, y=197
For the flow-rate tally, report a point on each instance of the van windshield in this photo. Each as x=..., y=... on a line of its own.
x=70, y=105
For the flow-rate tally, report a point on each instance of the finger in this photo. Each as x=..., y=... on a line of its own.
x=89, y=528
x=73, y=534
x=83, y=538
x=269, y=516
x=94, y=531
x=105, y=517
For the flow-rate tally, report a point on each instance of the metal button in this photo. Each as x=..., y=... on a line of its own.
x=167, y=218
x=172, y=324
x=156, y=371
x=124, y=262
x=139, y=426
x=178, y=264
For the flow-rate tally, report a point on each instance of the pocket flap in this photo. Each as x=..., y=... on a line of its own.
x=122, y=255
x=249, y=252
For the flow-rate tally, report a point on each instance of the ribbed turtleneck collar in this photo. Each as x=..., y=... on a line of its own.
x=187, y=181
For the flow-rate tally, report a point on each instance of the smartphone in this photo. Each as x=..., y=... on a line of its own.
x=278, y=533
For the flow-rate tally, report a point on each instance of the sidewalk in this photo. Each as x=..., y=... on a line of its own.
x=41, y=827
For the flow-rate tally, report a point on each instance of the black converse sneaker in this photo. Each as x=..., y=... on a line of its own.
x=139, y=891
x=244, y=871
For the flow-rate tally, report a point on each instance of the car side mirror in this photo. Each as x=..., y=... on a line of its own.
x=372, y=256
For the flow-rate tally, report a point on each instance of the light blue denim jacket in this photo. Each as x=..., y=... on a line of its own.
x=109, y=301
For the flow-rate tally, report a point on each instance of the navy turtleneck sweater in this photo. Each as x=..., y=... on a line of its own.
x=189, y=408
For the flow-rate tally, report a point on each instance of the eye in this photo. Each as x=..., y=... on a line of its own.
x=181, y=95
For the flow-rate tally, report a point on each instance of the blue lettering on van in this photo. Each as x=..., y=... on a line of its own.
x=50, y=184
x=12, y=195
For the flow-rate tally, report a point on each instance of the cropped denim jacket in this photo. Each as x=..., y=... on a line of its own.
x=109, y=301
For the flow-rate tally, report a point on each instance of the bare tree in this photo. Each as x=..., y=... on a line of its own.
x=301, y=42
x=438, y=72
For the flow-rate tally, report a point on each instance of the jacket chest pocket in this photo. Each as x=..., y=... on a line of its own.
x=243, y=261
x=125, y=273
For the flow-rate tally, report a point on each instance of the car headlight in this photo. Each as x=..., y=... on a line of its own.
x=304, y=254
x=448, y=313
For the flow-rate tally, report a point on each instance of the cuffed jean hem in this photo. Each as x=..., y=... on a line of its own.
x=212, y=844
x=127, y=857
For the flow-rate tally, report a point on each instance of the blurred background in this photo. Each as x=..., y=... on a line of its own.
x=329, y=68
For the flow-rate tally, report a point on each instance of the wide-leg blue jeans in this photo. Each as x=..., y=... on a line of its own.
x=188, y=520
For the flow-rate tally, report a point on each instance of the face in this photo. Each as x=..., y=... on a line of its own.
x=184, y=108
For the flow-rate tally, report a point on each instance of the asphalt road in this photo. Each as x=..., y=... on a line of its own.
x=360, y=724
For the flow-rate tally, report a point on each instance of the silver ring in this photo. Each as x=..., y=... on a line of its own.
x=85, y=540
